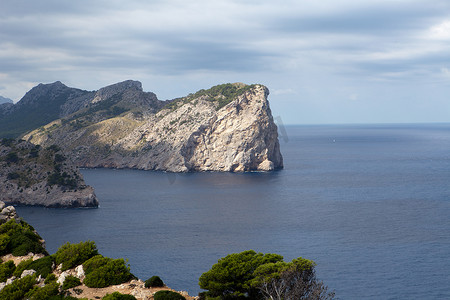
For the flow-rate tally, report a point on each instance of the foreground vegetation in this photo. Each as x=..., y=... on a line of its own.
x=38, y=279
x=251, y=275
x=246, y=275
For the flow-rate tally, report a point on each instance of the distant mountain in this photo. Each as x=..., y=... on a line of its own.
x=41, y=105
x=228, y=127
x=5, y=100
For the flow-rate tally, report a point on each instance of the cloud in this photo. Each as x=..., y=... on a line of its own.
x=283, y=92
x=441, y=31
x=316, y=45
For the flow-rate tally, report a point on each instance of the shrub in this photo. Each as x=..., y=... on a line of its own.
x=24, y=241
x=50, y=278
x=61, y=179
x=43, y=266
x=102, y=272
x=13, y=175
x=44, y=293
x=12, y=157
x=19, y=239
x=154, y=281
x=18, y=289
x=22, y=266
x=6, y=270
x=168, y=295
x=118, y=296
x=72, y=255
x=70, y=282
x=232, y=275
x=254, y=275
x=59, y=158
x=4, y=242
x=53, y=148
x=94, y=263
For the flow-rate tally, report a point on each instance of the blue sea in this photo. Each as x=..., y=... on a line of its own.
x=370, y=204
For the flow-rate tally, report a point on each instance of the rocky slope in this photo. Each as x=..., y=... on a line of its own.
x=32, y=175
x=226, y=128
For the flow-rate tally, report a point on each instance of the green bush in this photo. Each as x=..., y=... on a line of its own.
x=6, y=270
x=103, y=271
x=44, y=293
x=72, y=255
x=22, y=266
x=62, y=179
x=43, y=266
x=50, y=278
x=168, y=295
x=233, y=275
x=118, y=296
x=252, y=275
x=19, y=239
x=70, y=282
x=94, y=263
x=18, y=289
x=4, y=242
x=154, y=281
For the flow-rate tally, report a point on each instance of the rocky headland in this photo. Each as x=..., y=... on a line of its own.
x=33, y=175
x=226, y=128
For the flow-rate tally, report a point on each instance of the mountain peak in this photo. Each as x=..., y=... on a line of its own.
x=116, y=88
x=56, y=84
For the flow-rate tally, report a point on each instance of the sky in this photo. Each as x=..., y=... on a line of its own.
x=324, y=62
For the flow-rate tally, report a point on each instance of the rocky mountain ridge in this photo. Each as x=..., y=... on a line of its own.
x=42, y=104
x=226, y=128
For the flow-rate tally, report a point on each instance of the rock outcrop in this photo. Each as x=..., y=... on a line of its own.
x=7, y=213
x=226, y=128
x=32, y=175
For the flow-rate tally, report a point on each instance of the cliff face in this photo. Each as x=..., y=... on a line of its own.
x=226, y=128
x=31, y=175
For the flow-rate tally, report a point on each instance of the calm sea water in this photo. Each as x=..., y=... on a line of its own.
x=369, y=204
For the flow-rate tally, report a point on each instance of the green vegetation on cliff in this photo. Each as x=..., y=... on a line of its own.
x=19, y=239
x=220, y=94
x=27, y=164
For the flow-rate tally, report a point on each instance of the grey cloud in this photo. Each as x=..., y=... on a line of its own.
x=372, y=19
